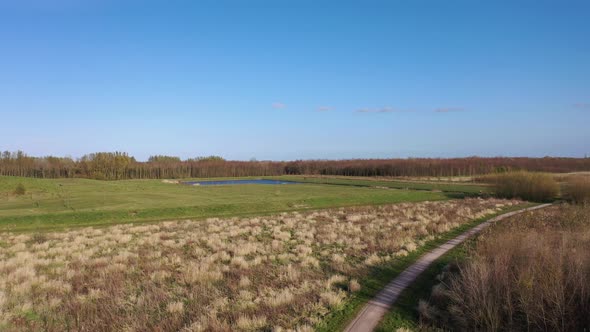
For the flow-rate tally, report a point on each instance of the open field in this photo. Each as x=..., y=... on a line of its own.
x=281, y=272
x=395, y=183
x=50, y=203
x=294, y=166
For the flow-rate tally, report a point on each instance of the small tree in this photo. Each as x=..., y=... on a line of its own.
x=20, y=190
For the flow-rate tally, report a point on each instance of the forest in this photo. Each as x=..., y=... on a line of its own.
x=120, y=165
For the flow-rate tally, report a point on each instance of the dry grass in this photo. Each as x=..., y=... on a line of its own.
x=281, y=273
x=531, y=273
x=577, y=189
x=20, y=190
x=536, y=187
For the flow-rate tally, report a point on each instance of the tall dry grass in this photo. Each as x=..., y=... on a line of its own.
x=536, y=187
x=283, y=272
x=530, y=274
x=577, y=189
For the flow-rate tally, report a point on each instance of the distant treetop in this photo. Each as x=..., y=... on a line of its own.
x=163, y=159
x=209, y=158
x=120, y=165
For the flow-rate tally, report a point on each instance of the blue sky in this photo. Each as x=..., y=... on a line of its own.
x=295, y=79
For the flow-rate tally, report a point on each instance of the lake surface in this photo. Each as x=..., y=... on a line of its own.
x=225, y=182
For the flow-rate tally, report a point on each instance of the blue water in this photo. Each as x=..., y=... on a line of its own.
x=223, y=182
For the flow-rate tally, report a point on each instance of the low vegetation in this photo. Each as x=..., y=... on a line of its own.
x=577, y=189
x=281, y=272
x=528, y=273
x=470, y=189
x=535, y=187
x=58, y=203
x=20, y=190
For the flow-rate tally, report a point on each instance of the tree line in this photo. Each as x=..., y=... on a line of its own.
x=120, y=165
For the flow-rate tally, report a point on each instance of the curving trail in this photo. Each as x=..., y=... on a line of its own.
x=372, y=313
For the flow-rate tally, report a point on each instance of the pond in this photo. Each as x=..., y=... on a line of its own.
x=226, y=182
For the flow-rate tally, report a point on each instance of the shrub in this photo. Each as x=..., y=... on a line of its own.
x=578, y=189
x=536, y=187
x=528, y=273
x=20, y=190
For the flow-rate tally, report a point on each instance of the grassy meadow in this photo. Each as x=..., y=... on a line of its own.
x=282, y=272
x=449, y=187
x=77, y=253
x=51, y=203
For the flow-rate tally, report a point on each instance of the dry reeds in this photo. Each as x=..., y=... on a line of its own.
x=536, y=187
x=577, y=189
x=530, y=274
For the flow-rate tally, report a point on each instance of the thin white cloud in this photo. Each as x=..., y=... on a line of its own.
x=583, y=106
x=396, y=110
x=278, y=105
x=375, y=110
x=449, y=109
x=325, y=108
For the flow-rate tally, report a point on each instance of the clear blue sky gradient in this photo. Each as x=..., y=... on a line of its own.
x=295, y=79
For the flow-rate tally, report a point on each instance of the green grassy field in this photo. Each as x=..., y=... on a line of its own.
x=55, y=203
x=461, y=188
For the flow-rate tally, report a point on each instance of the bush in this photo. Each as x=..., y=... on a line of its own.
x=578, y=189
x=536, y=187
x=20, y=190
x=528, y=273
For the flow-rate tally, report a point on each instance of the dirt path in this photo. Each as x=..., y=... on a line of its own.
x=373, y=312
